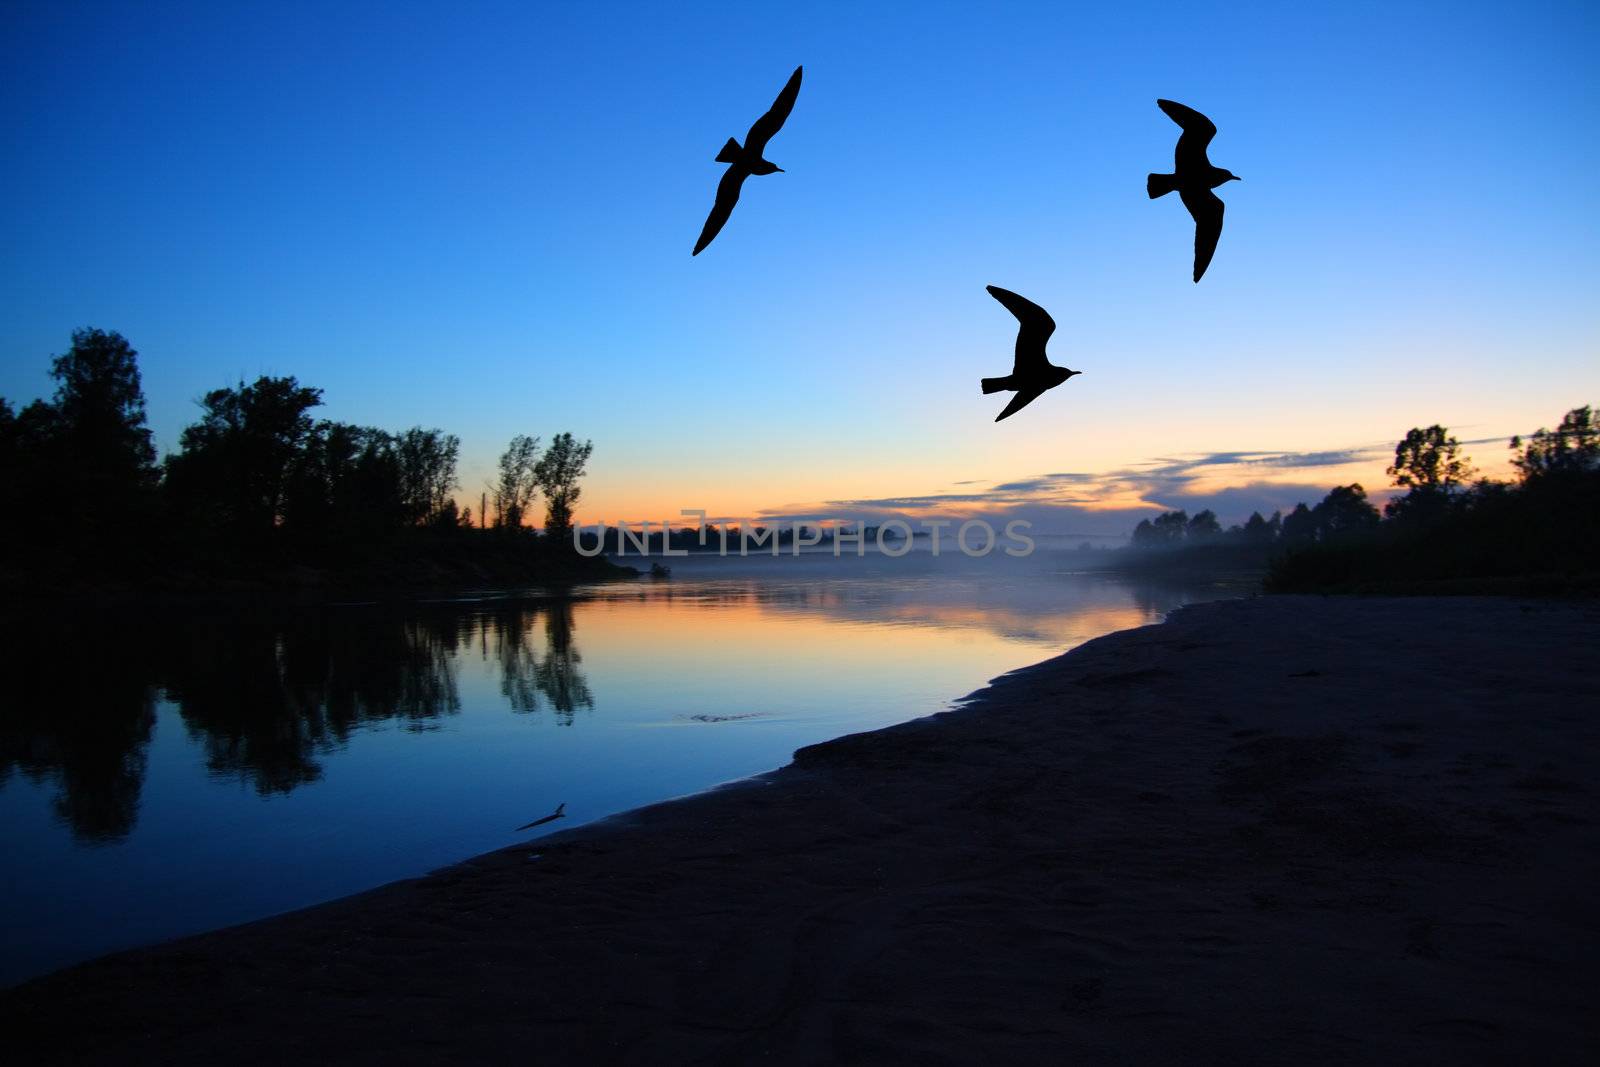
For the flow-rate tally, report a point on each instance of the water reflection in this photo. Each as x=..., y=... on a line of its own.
x=266, y=698
x=526, y=675
x=262, y=699
x=80, y=711
x=233, y=764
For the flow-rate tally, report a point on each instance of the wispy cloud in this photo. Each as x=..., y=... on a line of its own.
x=1108, y=503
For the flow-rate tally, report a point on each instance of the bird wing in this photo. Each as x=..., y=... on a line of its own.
x=770, y=123
x=1197, y=133
x=727, y=196
x=1207, y=209
x=1021, y=400
x=1036, y=328
x=1191, y=120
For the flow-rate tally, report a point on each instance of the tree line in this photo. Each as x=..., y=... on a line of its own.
x=1345, y=510
x=1448, y=524
x=256, y=476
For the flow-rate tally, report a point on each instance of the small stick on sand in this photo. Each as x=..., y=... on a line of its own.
x=560, y=813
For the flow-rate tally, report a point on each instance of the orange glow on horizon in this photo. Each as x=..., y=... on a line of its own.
x=1113, y=492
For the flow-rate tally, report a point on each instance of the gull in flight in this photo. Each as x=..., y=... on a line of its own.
x=747, y=160
x=1032, y=372
x=1194, y=177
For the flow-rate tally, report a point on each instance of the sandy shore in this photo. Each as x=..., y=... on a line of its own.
x=1275, y=830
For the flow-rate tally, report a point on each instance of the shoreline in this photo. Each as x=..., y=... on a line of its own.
x=244, y=596
x=1266, y=828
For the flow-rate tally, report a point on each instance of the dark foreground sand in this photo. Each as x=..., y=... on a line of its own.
x=1276, y=830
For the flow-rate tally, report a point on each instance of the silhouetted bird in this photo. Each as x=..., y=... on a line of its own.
x=747, y=160
x=1194, y=179
x=1032, y=373
x=560, y=813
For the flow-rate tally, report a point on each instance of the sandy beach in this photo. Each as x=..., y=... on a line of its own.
x=1271, y=830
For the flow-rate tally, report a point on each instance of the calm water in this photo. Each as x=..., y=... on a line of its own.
x=165, y=774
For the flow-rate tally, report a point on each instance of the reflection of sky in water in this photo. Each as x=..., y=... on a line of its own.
x=291, y=760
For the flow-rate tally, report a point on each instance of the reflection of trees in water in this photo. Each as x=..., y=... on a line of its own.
x=228, y=687
x=265, y=700
x=559, y=677
x=525, y=676
x=510, y=630
x=78, y=709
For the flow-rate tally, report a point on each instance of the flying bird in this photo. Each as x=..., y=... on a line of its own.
x=560, y=813
x=1032, y=372
x=747, y=160
x=1194, y=178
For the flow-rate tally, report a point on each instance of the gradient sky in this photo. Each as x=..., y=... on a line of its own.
x=479, y=217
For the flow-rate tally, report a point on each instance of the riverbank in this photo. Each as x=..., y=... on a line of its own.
x=1273, y=829
x=397, y=575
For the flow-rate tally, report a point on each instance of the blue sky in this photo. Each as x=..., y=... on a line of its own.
x=479, y=217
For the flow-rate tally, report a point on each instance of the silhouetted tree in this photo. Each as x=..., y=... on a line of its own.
x=518, y=484
x=1429, y=459
x=427, y=472
x=346, y=482
x=1573, y=447
x=1203, y=527
x=1538, y=535
x=1344, y=511
x=88, y=450
x=1428, y=462
x=1299, y=527
x=239, y=460
x=1258, y=531
x=31, y=461
x=101, y=407
x=557, y=473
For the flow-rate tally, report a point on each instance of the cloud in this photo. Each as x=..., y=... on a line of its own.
x=1047, y=482
x=1105, y=505
x=1233, y=503
x=1281, y=460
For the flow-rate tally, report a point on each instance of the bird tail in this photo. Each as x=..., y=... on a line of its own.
x=1160, y=184
x=729, y=153
x=995, y=385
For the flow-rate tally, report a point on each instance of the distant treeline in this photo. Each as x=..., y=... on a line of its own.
x=1450, y=530
x=1343, y=510
x=258, y=485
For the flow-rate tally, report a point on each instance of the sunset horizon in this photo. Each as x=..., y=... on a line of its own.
x=506, y=251
x=1014, y=533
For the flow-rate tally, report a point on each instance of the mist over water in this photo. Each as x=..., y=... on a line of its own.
x=171, y=773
